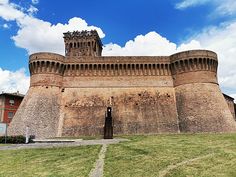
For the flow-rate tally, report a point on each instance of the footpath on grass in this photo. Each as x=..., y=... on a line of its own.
x=97, y=170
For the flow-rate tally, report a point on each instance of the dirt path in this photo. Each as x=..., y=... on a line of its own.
x=172, y=167
x=97, y=171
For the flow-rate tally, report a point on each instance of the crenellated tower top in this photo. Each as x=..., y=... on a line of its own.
x=82, y=43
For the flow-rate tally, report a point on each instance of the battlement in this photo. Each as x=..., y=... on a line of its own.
x=194, y=60
x=82, y=43
x=43, y=63
x=102, y=66
x=194, y=66
x=176, y=64
x=81, y=34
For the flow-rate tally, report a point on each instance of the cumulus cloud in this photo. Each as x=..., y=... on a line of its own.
x=223, y=8
x=13, y=81
x=47, y=34
x=150, y=44
x=192, y=44
x=10, y=11
x=36, y=35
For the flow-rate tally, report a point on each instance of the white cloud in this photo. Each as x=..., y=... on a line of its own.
x=221, y=7
x=35, y=1
x=193, y=44
x=150, y=44
x=14, y=81
x=191, y=3
x=32, y=10
x=4, y=1
x=227, y=7
x=36, y=35
x=9, y=11
x=46, y=34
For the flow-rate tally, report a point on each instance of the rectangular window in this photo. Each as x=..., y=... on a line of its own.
x=12, y=102
x=10, y=115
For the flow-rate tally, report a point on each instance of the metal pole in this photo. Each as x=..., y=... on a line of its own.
x=6, y=135
x=27, y=135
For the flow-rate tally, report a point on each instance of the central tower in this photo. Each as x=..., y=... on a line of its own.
x=82, y=43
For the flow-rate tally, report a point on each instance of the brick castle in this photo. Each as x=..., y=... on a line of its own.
x=69, y=94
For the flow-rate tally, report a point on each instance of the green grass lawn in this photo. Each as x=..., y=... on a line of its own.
x=4, y=144
x=182, y=155
x=199, y=155
x=53, y=162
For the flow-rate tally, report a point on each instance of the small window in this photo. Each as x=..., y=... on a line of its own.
x=10, y=115
x=12, y=102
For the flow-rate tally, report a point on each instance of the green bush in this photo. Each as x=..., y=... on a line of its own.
x=14, y=139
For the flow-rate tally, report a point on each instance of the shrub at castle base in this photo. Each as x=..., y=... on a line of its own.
x=69, y=94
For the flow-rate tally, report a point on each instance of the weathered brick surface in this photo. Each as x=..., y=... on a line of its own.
x=231, y=104
x=202, y=108
x=68, y=95
x=39, y=111
x=135, y=110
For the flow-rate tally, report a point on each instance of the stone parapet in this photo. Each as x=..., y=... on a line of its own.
x=46, y=69
x=195, y=66
x=46, y=56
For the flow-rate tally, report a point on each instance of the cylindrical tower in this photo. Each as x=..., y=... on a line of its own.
x=46, y=69
x=200, y=104
x=39, y=111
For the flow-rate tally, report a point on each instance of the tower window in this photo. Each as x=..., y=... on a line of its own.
x=94, y=48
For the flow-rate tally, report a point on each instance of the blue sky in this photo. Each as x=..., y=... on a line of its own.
x=127, y=27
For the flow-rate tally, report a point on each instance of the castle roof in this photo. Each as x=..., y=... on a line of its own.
x=16, y=94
